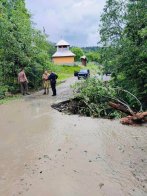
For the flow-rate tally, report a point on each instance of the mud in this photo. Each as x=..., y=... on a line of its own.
x=47, y=153
x=70, y=106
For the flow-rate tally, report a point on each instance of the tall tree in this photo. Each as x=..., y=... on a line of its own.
x=124, y=41
x=78, y=52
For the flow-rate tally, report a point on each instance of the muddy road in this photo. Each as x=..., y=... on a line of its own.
x=47, y=153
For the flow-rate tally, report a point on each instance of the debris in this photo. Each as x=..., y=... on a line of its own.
x=75, y=171
x=46, y=156
x=133, y=118
x=101, y=185
x=119, y=107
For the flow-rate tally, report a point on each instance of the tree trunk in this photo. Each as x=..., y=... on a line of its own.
x=132, y=119
x=119, y=107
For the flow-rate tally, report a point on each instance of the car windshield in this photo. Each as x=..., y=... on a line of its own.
x=83, y=71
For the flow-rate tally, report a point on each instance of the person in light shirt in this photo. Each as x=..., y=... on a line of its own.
x=22, y=79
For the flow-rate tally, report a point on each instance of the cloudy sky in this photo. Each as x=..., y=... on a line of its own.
x=76, y=21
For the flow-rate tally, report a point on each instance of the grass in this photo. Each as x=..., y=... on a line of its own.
x=94, y=69
x=9, y=99
x=64, y=71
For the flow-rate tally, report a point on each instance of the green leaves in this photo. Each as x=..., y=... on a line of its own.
x=78, y=52
x=95, y=95
x=21, y=44
x=124, y=40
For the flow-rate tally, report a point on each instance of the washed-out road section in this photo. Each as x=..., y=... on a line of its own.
x=47, y=153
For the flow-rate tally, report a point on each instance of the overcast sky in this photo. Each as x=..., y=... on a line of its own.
x=76, y=21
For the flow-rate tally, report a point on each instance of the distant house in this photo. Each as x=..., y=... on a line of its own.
x=84, y=60
x=63, y=55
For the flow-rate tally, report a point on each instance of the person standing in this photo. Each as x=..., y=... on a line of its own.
x=22, y=79
x=53, y=77
x=45, y=83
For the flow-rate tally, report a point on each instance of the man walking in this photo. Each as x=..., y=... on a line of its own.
x=53, y=77
x=22, y=79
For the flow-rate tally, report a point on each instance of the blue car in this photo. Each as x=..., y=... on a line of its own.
x=83, y=73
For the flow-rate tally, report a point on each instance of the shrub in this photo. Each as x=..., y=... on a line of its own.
x=3, y=90
x=94, y=96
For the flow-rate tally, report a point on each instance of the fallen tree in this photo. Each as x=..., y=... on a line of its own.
x=136, y=119
x=94, y=98
x=133, y=118
x=119, y=107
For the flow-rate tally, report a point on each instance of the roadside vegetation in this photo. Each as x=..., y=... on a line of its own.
x=21, y=46
x=123, y=33
x=92, y=97
x=9, y=99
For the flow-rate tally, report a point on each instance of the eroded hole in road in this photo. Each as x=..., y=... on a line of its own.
x=76, y=106
x=71, y=106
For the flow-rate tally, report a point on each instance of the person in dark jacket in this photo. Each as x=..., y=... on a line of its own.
x=53, y=77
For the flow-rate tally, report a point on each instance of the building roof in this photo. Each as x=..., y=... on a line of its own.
x=62, y=43
x=63, y=54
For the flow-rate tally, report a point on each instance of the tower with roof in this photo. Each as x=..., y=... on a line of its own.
x=63, y=55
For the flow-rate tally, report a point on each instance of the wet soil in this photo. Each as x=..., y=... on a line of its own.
x=47, y=153
x=70, y=106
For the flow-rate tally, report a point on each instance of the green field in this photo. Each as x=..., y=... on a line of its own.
x=65, y=72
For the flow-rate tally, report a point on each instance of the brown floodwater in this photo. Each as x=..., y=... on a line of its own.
x=47, y=153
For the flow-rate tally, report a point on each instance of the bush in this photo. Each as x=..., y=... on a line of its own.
x=3, y=90
x=94, y=96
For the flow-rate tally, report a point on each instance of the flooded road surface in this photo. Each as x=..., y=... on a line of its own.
x=47, y=153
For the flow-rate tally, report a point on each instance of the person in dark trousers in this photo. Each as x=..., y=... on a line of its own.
x=53, y=77
x=22, y=79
